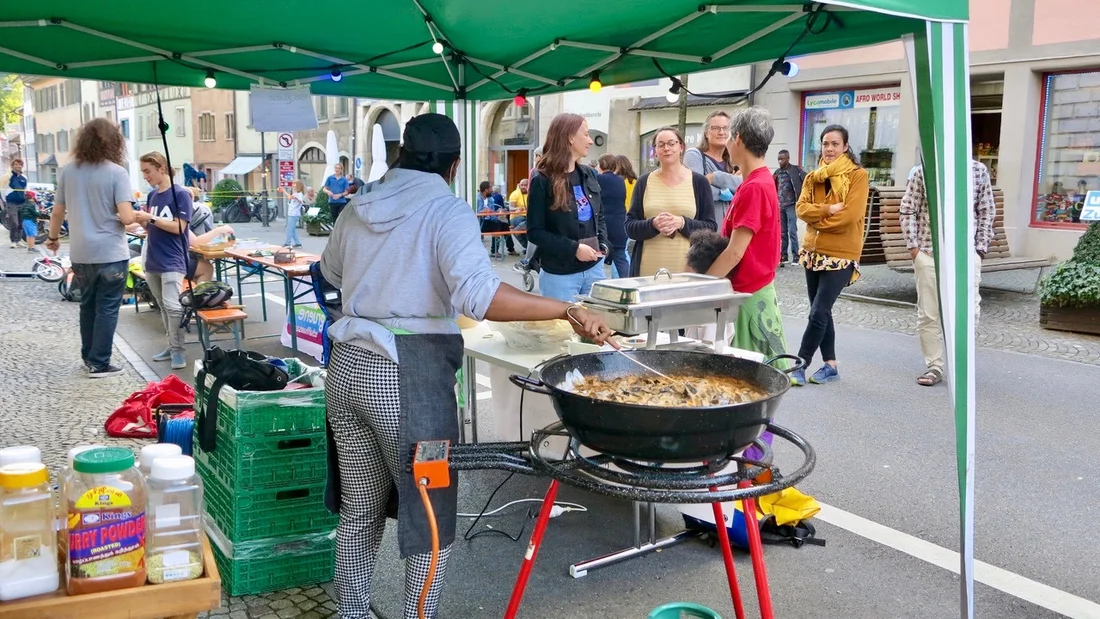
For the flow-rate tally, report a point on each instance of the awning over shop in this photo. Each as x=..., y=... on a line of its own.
x=241, y=165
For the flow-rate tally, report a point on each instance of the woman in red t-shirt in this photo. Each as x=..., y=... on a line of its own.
x=752, y=226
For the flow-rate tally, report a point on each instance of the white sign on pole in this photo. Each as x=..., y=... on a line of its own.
x=1091, y=210
x=282, y=109
x=286, y=147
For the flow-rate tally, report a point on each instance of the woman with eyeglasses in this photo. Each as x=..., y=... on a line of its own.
x=712, y=159
x=667, y=206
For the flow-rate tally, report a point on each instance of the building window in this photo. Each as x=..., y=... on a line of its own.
x=207, y=131
x=110, y=115
x=321, y=103
x=125, y=126
x=230, y=126
x=181, y=122
x=871, y=117
x=1069, y=147
x=72, y=92
x=342, y=107
x=151, y=129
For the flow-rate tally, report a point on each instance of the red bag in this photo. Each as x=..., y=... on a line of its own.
x=134, y=419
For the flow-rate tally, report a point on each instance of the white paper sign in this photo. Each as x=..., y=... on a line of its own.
x=282, y=109
x=1091, y=210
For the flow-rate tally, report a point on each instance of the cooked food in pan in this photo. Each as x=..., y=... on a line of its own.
x=682, y=391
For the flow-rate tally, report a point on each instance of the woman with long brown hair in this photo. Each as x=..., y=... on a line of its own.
x=669, y=204
x=625, y=169
x=712, y=159
x=833, y=204
x=93, y=193
x=565, y=212
x=613, y=196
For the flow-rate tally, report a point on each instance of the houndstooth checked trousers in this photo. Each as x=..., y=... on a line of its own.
x=362, y=395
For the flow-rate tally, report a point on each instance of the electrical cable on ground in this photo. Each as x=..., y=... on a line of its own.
x=423, y=487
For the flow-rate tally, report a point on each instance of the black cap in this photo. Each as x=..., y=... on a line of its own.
x=432, y=133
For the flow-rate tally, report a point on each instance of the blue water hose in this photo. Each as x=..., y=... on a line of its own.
x=178, y=431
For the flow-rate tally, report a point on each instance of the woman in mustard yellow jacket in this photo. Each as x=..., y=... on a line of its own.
x=834, y=205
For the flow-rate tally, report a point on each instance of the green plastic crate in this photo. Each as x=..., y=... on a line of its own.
x=247, y=463
x=257, y=413
x=244, y=515
x=291, y=563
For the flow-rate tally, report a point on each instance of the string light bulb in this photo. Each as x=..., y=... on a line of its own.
x=595, y=85
x=785, y=67
x=210, y=80
x=674, y=91
x=437, y=48
x=521, y=98
x=337, y=75
x=672, y=97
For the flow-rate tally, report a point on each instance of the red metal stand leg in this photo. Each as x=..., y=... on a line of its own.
x=727, y=558
x=532, y=550
x=756, y=551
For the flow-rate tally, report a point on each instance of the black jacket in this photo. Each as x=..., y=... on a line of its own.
x=640, y=228
x=798, y=177
x=556, y=233
x=613, y=194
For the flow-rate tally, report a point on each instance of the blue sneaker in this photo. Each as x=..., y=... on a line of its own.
x=798, y=378
x=826, y=374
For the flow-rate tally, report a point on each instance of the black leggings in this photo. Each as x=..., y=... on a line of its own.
x=824, y=287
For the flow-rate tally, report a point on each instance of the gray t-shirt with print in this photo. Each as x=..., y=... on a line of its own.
x=91, y=193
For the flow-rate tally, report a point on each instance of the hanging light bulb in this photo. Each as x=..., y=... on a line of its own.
x=785, y=67
x=595, y=85
x=792, y=69
x=210, y=80
x=437, y=48
x=674, y=92
x=521, y=98
x=672, y=97
x=337, y=75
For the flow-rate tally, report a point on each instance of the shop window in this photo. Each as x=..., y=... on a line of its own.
x=1069, y=147
x=871, y=117
x=207, y=132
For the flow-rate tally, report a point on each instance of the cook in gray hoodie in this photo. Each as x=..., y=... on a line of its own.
x=408, y=258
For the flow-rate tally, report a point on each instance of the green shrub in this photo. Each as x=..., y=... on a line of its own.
x=1073, y=284
x=225, y=193
x=324, y=216
x=1088, y=247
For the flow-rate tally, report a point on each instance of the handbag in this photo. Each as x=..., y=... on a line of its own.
x=243, y=370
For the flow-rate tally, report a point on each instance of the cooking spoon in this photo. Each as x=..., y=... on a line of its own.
x=623, y=353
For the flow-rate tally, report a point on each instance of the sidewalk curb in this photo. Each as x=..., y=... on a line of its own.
x=135, y=360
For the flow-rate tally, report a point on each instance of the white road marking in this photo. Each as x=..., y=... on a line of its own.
x=483, y=380
x=1013, y=584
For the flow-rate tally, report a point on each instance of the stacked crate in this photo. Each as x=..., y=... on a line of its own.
x=264, y=486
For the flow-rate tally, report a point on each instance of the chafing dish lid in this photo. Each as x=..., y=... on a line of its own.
x=664, y=286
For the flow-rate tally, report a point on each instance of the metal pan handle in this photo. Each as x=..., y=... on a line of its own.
x=799, y=364
x=660, y=271
x=529, y=384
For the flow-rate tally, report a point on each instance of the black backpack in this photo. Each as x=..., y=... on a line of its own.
x=206, y=295
x=70, y=287
x=242, y=370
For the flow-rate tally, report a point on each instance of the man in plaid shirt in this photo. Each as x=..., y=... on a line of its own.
x=917, y=229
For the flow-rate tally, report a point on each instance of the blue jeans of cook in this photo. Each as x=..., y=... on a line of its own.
x=568, y=287
x=788, y=224
x=101, y=291
x=292, y=230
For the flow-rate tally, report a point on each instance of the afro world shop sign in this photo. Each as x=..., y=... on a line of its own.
x=854, y=99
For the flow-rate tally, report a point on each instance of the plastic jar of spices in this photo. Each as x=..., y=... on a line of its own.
x=150, y=453
x=28, y=544
x=106, y=522
x=174, y=521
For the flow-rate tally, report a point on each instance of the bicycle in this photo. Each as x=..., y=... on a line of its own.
x=46, y=268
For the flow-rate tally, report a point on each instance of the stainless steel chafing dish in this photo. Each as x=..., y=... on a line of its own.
x=664, y=302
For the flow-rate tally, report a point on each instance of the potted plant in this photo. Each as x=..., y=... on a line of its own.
x=225, y=193
x=1069, y=298
x=319, y=224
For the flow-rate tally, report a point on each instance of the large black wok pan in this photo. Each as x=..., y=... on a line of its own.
x=662, y=434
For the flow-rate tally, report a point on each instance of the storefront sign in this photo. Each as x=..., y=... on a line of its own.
x=849, y=99
x=1091, y=210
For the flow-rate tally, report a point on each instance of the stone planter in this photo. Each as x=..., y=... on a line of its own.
x=318, y=229
x=1076, y=319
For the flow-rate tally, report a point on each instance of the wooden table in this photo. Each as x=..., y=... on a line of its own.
x=215, y=255
x=290, y=273
x=176, y=600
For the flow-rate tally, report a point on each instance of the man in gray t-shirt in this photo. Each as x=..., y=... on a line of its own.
x=93, y=193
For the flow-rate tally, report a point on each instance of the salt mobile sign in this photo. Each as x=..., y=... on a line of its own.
x=1091, y=210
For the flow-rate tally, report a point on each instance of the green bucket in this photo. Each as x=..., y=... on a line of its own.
x=683, y=610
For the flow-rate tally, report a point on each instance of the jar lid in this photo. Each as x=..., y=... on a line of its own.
x=103, y=460
x=173, y=468
x=81, y=449
x=150, y=453
x=19, y=454
x=23, y=475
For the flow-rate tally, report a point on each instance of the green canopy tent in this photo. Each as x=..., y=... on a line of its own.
x=440, y=51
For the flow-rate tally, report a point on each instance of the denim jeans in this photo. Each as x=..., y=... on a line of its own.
x=12, y=221
x=788, y=224
x=823, y=287
x=292, y=230
x=621, y=262
x=567, y=287
x=101, y=288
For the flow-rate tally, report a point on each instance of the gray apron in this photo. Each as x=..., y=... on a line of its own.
x=429, y=411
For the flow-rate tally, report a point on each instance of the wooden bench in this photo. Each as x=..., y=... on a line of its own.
x=226, y=319
x=885, y=237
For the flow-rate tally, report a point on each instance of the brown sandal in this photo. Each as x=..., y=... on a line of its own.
x=930, y=378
